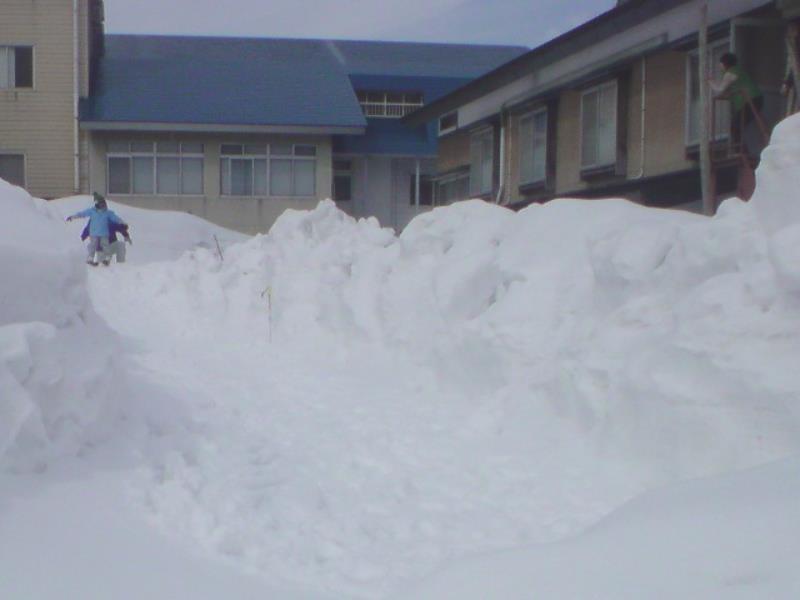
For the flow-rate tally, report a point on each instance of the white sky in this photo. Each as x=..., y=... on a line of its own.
x=524, y=22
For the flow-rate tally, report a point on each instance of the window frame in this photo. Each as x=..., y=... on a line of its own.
x=154, y=155
x=24, y=166
x=485, y=188
x=451, y=179
x=293, y=157
x=532, y=115
x=446, y=130
x=725, y=45
x=596, y=89
x=250, y=157
x=339, y=171
x=425, y=182
x=11, y=67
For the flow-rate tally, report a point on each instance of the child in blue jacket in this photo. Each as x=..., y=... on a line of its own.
x=100, y=219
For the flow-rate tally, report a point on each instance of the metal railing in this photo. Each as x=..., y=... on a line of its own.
x=389, y=110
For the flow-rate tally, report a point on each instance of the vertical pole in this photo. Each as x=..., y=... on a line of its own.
x=706, y=175
x=791, y=56
x=416, y=186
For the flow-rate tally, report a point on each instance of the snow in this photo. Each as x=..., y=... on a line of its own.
x=333, y=410
x=732, y=537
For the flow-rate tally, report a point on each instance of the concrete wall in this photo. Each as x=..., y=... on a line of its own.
x=39, y=122
x=382, y=189
x=246, y=214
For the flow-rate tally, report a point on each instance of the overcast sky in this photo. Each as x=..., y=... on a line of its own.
x=524, y=22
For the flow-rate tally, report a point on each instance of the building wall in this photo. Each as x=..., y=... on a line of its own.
x=665, y=116
x=665, y=122
x=39, y=122
x=453, y=151
x=382, y=189
x=568, y=149
x=246, y=214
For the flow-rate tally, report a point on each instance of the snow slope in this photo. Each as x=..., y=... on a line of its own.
x=339, y=410
x=732, y=537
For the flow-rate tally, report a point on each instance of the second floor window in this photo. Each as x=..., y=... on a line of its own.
x=481, y=168
x=389, y=105
x=599, y=126
x=16, y=67
x=722, y=110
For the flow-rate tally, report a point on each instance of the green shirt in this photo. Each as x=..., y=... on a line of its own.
x=743, y=88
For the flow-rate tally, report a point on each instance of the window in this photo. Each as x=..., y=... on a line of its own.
x=481, y=163
x=389, y=105
x=599, y=126
x=452, y=189
x=293, y=170
x=533, y=147
x=722, y=118
x=16, y=67
x=163, y=168
x=448, y=123
x=274, y=170
x=243, y=169
x=12, y=169
x=342, y=180
x=425, y=191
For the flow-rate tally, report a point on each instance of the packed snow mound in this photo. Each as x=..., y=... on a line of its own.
x=736, y=536
x=659, y=334
x=157, y=234
x=57, y=367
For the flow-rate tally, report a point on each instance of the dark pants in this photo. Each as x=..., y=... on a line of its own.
x=742, y=118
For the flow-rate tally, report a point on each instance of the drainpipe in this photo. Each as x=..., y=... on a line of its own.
x=502, y=157
x=416, y=186
x=75, y=96
x=643, y=138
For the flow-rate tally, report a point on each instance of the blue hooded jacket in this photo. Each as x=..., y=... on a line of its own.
x=99, y=221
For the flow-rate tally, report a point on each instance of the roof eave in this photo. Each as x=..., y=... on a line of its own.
x=521, y=65
x=99, y=125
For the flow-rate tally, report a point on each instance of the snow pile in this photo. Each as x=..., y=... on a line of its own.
x=57, y=367
x=372, y=405
x=657, y=334
x=731, y=537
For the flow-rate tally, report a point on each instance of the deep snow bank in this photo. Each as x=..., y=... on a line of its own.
x=731, y=537
x=57, y=368
x=653, y=334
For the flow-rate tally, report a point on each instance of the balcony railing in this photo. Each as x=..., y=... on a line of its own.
x=389, y=110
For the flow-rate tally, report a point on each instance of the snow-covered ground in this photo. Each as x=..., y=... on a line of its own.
x=341, y=412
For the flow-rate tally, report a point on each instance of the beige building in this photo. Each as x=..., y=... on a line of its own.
x=612, y=108
x=235, y=130
x=46, y=51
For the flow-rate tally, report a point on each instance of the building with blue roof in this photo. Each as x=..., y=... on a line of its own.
x=235, y=130
x=239, y=129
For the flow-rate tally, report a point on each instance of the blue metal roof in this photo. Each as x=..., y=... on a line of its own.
x=414, y=59
x=221, y=81
x=280, y=82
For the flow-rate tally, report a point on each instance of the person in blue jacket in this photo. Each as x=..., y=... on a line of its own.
x=100, y=219
x=116, y=247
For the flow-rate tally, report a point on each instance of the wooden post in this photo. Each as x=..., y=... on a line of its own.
x=792, y=58
x=706, y=174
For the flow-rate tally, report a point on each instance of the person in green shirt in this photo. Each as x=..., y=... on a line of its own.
x=744, y=94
